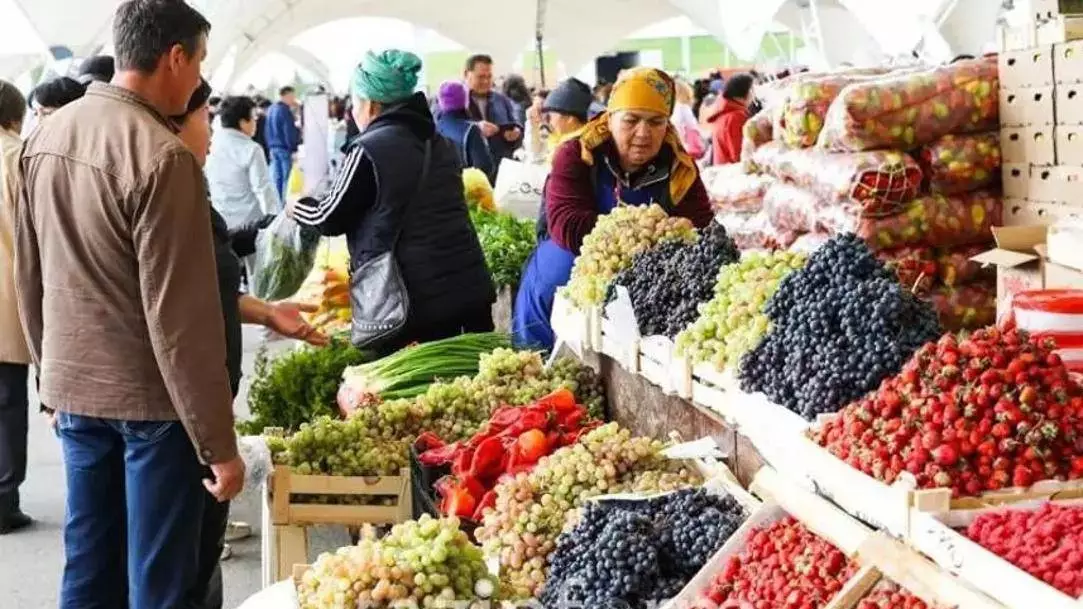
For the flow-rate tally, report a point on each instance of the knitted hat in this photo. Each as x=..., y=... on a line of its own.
x=572, y=97
x=452, y=96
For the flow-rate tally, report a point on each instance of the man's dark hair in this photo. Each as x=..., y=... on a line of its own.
x=58, y=92
x=12, y=105
x=263, y=103
x=144, y=30
x=198, y=100
x=214, y=101
x=473, y=61
x=737, y=86
x=234, y=110
x=99, y=68
x=284, y=91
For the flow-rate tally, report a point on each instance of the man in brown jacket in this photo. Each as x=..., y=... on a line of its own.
x=119, y=300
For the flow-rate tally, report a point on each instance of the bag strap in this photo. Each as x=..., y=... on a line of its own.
x=426, y=164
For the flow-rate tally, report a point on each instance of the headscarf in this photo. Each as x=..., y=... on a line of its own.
x=387, y=77
x=643, y=89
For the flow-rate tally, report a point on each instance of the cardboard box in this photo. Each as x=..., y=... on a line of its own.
x=1060, y=277
x=1042, y=10
x=1021, y=212
x=1055, y=183
x=1035, y=144
x=1060, y=30
x=1069, y=144
x=1027, y=106
x=1017, y=259
x=1069, y=104
x=1026, y=68
x=1014, y=177
x=1068, y=62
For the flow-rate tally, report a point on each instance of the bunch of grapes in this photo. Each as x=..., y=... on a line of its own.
x=733, y=322
x=423, y=563
x=533, y=509
x=343, y=448
x=839, y=326
x=668, y=282
x=609, y=248
x=639, y=553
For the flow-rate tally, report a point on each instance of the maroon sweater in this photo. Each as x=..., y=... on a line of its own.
x=570, y=203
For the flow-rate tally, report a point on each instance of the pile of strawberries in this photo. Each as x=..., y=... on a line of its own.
x=994, y=410
x=783, y=565
x=1046, y=543
x=888, y=595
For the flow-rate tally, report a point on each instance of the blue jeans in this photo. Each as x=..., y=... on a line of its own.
x=281, y=164
x=134, y=513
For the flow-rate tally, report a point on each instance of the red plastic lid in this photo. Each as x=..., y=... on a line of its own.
x=1050, y=301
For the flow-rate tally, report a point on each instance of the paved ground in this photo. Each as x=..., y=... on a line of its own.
x=31, y=561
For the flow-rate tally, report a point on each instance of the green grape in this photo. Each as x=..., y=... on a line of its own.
x=733, y=322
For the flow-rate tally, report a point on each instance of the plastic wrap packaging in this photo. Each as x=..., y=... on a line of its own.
x=1057, y=314
x=792, y=208
x=765, y=158
x=806, y=106
x=809, y=242
x=912, y=109
x=961, y=163
x=257, y=462
x=285, y=255
x=932, y=221
x=880, y=182
x=328, y=287
x=759, y=130
x=915, y=267
x=966, y=307
x=731, y=189
x=754, y=231
x=956, y=267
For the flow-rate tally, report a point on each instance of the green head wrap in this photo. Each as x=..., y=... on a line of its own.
x=387, y=77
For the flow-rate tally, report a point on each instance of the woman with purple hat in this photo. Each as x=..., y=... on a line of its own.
x=455, y=124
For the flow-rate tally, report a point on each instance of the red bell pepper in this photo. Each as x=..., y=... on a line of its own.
x=562, y=400
x=459, y=502
x=532, y=445
x=428, y=441
x=461, y=465
x=488, y=458
x=503, y=418
x=530, y=419
x=442, y=455
x=572, y=419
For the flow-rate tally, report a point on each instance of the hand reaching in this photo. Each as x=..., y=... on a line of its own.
x=286, y=320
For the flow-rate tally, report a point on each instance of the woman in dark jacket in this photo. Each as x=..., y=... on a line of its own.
x=455, y=124
x=381, y=195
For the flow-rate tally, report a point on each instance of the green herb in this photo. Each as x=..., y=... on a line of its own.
x=507, y=243
x=298, y=386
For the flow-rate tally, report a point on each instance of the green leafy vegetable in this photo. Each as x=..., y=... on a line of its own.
x=506, y=241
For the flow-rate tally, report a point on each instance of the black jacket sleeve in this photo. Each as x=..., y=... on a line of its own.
x=243, y=239
x=352, y=194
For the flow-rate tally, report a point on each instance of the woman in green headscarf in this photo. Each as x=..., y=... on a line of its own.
x=400, y=190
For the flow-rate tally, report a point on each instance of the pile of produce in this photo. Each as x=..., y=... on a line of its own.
x=839, y=326
x=1044, y=543
x=328, y=288
x=506, y=242
x=298, y=386
x=637, y=554
x=668, y=282
x=961, y=163
x=965, y=307
x=982, y=413
x=731, y=190
x=911, y=109
x=477, y=190
x=955, y=266
x=783, y=564
x=915, y=267
x=423, y=563
x=733, y=322
x=533, y=509
x=375, y=440
x=510, y=443
x=409, y=371
x=888, y=595
x=609, y=248
x=807, y=104
x=757, y=131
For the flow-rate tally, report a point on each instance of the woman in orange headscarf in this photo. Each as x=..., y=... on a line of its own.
x=629, y=155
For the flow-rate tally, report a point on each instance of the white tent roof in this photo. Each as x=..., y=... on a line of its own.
x=575, y=30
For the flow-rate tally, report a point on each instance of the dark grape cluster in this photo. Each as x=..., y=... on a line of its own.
x=634, y=554
x=839, y=327
x=669, y=282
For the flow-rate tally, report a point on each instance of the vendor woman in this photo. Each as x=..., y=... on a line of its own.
x=630, y=155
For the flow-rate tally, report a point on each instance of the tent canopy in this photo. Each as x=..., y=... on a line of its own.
x=575, y=31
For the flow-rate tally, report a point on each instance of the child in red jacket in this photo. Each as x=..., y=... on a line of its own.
x=729, y=119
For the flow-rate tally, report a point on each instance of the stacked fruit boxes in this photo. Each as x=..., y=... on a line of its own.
x=1041, y=114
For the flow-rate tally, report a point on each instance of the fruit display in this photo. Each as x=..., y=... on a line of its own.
x=511, y=442
x=888, y=595
x=930, y=220
x=733, y=321
x=879, y=182
x=838, y=327
x=783, y=564
x=422, y=563
x=533, y=509
x=792, y=208
x=1044, y=542
x=956, y=267
x=759, y=130
x=668, y=282
x=754, y=231
x=477, y=190
x=966, y=307
x=961, y=163
x=609, y=248
x=908, y=110
x=915, y=267
x=806, y=105
x=637, y=554
x=507, y=242
x=731, y=189
x=973, y=414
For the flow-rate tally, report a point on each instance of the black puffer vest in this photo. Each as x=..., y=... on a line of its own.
x=438, y=251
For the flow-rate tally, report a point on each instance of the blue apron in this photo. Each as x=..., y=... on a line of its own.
x=550, y=266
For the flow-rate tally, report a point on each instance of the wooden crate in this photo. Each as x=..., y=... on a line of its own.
x=286, y=518
x=715, y=389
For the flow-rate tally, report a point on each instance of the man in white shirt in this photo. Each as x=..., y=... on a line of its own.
x=237, y=175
